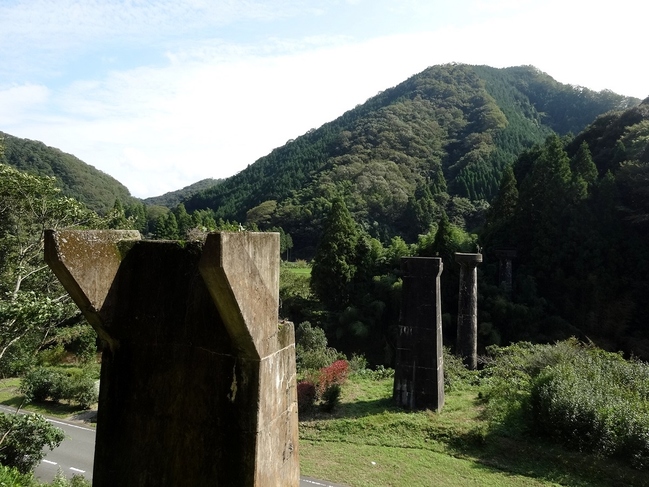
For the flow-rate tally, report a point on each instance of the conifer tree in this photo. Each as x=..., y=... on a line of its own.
x=504, y=204
x=333, y=265
x=500, y=215
x=583, y=165
x=184, y=221
x=166, y=227
x=443, y=244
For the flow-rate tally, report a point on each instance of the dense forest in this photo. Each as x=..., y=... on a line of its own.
x=174, y=198
x=576, y=210
x=438, y=141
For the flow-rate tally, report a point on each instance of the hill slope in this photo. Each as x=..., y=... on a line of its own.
x=173, y=198
x=409, y=152
x=77, y=179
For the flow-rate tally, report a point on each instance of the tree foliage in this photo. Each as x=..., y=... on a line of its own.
x=334, y=262
x=402, y=158
x=32, y=303
x=23, y=438
x=579, y=227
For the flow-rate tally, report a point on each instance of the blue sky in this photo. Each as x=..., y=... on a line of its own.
x=161, y=94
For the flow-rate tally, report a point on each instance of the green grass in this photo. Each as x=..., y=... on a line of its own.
x=11, y=396
x=300, y=271
x=369, y=442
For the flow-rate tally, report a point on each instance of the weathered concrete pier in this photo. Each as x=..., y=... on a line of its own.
x=419, y=372
x=467, y=313
x=197, y=378
x=506, y=257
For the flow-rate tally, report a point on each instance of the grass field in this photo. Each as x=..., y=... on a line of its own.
x=11, y=396
x=300, y=271
x=368, y=442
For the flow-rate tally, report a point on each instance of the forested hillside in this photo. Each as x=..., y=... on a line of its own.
x=173, y=198
x=96, y=189
x=437, y=142
x=576, y=211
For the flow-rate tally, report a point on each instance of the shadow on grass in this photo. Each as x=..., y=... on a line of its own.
x=512, y=449
x=46, y=408
x=509, y=448
x=532, y=457
x=358, y=409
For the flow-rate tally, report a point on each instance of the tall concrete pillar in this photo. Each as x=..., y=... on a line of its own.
x=505, y=272
x=467, y=314
x=419, y=372
x=198, y=377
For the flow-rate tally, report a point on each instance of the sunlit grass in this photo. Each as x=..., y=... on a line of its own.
x=10, y=396
x=300, y=271
x=368, y=441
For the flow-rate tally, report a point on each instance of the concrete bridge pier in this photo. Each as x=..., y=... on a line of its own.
x=467, y=314
x=419, y=372
x=198, y=377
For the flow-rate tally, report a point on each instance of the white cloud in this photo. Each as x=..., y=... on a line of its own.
x=18, y=102
x=210, y=106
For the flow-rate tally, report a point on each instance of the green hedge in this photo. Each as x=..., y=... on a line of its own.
x=59, y=384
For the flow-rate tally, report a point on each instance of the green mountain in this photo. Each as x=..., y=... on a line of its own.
x=437, y=142
x=77, y=179
x=173, y=198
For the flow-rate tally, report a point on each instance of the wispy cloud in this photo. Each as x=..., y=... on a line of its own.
x=211, y=97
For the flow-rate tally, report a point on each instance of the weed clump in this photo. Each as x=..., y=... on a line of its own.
x=572, y=393
x=306, y=396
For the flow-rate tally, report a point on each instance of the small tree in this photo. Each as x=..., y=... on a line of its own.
x=32, y=302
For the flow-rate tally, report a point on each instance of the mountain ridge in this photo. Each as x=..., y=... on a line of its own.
x=444, y=134
x=76, y=178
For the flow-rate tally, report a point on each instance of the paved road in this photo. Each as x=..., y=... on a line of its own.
x=76, y=455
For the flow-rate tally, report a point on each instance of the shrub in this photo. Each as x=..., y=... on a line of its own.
x=597, y=402
x=508, y=375
x=306, y=396
x=456, y=374
x=379, y=373
x=41, y=383
x=79, y=481
x=334, y=374
x=573, y=393
x=330, y=380
x=56, y=384
x=82, y=390
x=23, y=438
x=357, y=364
x=60, y=480
x=311, y=350
x=331, y=397
x=52, y=356
x=11, y=477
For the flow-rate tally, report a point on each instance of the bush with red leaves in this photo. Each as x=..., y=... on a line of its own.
x=330, y=382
